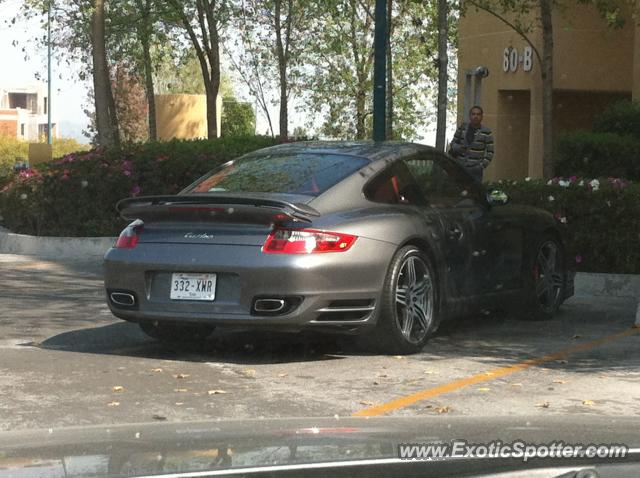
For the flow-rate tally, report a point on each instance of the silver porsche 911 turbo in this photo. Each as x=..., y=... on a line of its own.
x=381, y=239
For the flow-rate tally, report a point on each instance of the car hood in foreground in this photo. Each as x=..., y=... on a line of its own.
x=287, y=446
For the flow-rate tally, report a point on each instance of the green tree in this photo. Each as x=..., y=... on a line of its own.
x=203, y=21
x=340, y=59
x=238, y=118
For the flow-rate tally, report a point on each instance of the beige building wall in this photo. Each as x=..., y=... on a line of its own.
x=184, y=116
x=594, y=65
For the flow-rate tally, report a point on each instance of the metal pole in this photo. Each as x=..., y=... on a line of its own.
x=379, y=71
x=49, y=132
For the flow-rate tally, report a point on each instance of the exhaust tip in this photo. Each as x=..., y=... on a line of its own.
x=274, y=305
x=268, y=305
x=123, y=298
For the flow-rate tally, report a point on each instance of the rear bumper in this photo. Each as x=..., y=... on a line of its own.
x=333, y=290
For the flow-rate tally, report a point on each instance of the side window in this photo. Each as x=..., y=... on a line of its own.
x=396, y=185
x=441, y=186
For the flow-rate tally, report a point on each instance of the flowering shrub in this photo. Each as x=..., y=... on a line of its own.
x=602, y=215
x=76, y=195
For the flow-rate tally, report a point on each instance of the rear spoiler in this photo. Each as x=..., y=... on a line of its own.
x=158, y=206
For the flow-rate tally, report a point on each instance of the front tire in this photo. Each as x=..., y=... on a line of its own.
x=408, y=310
x=547, y=284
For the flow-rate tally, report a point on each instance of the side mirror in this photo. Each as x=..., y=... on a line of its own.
x=497, y=198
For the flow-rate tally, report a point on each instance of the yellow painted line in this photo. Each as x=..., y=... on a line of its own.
x=486, y=376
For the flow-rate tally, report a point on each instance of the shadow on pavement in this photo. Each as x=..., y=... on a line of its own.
x=239, y=347
x=495, y=341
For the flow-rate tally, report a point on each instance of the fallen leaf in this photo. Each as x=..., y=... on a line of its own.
x=399, y=357
x=383, y=375
x=559, y=381
x=281, y=375
x=446, y=409
x=375, y=383
x=602, y=376
x=484, y=389
x=113, y=404
x=159, y=417
x=179, y=403
x=428, y=406
x=588, y=403
x=215, y=392
x=248, y=373
x=516, y=385
x=182, y=375
x=543, y=405
x=180, y=390
x=118, y=388
x=156, y=370
x=121, y=368
x=489, y=374
x=366, y=403
x=431, y=372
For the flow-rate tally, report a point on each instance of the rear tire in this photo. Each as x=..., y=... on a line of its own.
x=408, y=310
x=176, y=333
x=547, y=282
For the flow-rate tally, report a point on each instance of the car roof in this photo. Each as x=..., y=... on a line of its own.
x=372, y=150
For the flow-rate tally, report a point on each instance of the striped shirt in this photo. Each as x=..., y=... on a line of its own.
x=477, y=152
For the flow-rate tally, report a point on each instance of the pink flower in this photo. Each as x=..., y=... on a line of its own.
x=573, y=179
x=126, y=172
x=579, y=259
x=136, y=190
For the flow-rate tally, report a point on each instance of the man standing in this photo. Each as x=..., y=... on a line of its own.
x=472, y=145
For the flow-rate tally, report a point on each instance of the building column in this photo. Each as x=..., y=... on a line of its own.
x=635, y=89
x=535, y=132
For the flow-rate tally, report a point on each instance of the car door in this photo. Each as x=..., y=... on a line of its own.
x=465, y=241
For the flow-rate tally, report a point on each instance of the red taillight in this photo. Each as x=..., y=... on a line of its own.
x=306, y=241
x=128, y=239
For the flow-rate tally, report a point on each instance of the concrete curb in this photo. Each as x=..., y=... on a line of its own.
x=54, y=247
x=609, y=285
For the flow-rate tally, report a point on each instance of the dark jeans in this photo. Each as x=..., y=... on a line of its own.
x=475, y=172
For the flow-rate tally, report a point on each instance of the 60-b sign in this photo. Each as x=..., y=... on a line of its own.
x=512, y=58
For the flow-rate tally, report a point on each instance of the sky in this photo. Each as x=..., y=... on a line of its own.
x=70, y=94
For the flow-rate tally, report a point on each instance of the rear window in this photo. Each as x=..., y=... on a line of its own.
x=309, y=174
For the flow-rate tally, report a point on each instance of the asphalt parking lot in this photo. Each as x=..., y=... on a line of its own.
x=65, y=360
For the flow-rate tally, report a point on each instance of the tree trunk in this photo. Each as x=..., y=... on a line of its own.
x=282, y=71
x=389, y=122
x=113, y=111
x=145, y=34
x=360, y=114
x=101, y=80
x=547, y=87
x=443, y=77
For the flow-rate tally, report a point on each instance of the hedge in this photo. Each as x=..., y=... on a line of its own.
x=76, y=194
x=603, y=218
x=621, y=118
x=590, y=154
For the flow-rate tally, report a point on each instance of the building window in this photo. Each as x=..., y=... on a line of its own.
x=22, y=129
x=46, y=105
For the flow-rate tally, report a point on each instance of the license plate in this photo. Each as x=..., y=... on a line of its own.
x=193, y=286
